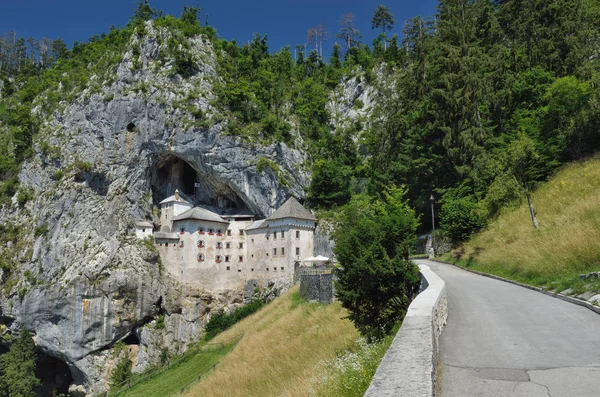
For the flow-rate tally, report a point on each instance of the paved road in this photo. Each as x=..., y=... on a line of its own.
x=502, y=340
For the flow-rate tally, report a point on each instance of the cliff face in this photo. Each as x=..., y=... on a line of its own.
x=103, y=162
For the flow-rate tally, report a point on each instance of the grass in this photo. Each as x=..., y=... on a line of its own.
x=567, y=243
x=283, y=352
x=177, y=377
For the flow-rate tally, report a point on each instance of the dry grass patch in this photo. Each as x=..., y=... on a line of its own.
x=281, y=351
x=567, y=243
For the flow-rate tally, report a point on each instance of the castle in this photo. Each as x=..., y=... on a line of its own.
x=226, y=250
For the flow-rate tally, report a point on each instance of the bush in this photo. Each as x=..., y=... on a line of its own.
x=122, y=372
x=24, y=196
x=40, y=230
x=220, y=321
x=460, y=219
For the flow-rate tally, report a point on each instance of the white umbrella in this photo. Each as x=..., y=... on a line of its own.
x=313, y=259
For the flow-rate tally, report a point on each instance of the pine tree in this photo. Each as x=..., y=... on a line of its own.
x=17, y=368
x=384, y=20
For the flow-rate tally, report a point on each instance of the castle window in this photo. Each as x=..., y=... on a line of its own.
x=218, y=259
x=298, y=251
x=229, y=232
x=228, y=268
x=252, y=269
x=274, y=235
x=282, y=269
x=297, y=233
x=267, y=254
x=181, y=230
x=241, y=258
x=241, y=232
x=239, y=270
x=241, y=245
x=219, y=232
x=267, y=269
x=181, y=244
x=226, y=258
x=274, y=251
x=201, y=230
x=252, y=241
x=227, y=245
x=282, y=251
x=211, y=232
x=219, y=245
x=200, y=257
x=282, y=235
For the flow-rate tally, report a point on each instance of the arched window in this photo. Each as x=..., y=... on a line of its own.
x=218, y=259
x=201, y=230
x=200, y=257
x=200, y=243
x=219, y=232
x=211, y=231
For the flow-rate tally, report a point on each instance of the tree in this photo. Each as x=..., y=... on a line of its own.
x=17, y=368
x=348, y=33
x=384, y=20
x=460, y=219
x=144, y=12
x=376, y=282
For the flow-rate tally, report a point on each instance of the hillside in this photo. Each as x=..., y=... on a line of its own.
x=567, y=243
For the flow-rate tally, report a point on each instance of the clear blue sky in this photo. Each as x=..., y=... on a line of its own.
x=285, y=21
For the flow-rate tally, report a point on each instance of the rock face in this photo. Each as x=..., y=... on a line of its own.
x=102, y=163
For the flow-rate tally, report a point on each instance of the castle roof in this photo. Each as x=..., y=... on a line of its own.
x=292, y=209
x=258, y=225
x=166, y=236
x=144, y=224
x=200, y=214
x=175, y=198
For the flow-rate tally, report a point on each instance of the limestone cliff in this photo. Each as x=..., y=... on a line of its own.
x=83, y=282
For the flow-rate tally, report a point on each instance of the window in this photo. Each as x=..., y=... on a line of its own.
x=297, y=233
x=252, y=269
x=274, y=251
x=267, y=237
x=200, y=244
x=201, y=230
x=219, y=245
x=267, y=254
x=229, y=232
x=241, y=232
x=274, y=269
x=181, y=244
x=181, y=230
x=219, y=232
x=228, y=268
x=227, y=245
x=282, y=251
x=200, y=257
x=282, y=235
x=252, y=241
x=267, y=269
x=274, y=235
x=239, y=270
x=241, y=258
x=241, y=245
x=298, y=251
x=218, y=258
x=282, y=268
x=211, y=231
x=226, y=258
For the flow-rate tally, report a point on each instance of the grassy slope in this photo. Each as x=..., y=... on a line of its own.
x=281, y=350
x=567, y=243
x=179, y=376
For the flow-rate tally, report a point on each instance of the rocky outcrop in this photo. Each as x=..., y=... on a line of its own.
x=81, y=282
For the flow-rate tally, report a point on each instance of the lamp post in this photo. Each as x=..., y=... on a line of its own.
x=432, y=199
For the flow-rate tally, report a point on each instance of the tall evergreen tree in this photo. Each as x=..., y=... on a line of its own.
x=384, y=20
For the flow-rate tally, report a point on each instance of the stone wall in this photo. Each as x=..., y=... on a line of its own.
x=409, y=368
x=316, y=285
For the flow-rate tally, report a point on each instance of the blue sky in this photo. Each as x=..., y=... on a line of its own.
x=285, y=21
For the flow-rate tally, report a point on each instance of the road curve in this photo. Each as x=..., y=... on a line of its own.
x=503, y=340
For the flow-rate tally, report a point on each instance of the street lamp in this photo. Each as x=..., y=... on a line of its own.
x=432, y=199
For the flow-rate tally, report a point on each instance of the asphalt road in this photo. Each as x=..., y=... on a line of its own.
x=504, y=340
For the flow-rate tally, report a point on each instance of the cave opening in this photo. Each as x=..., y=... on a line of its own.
x=54, y=375
x=173, y=173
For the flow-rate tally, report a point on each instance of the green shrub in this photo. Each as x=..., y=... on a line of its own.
x=460, y=219
x=220, y=321
x=160, y=322
x=58, y=175
x=40, y=230
x=24, y=196
x=83, y=166
x=122, y=372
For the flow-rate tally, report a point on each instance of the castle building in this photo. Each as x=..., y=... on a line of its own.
x=223, y=251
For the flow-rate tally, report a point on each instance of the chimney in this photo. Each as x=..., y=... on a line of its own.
x=177, y=194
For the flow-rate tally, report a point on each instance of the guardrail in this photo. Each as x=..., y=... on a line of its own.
x=409, y=367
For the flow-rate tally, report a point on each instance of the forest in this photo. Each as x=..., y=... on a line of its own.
x=475, y=105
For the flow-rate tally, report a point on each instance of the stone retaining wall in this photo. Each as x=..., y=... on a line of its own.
x=409, y=368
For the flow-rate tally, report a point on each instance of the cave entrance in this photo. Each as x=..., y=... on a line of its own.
x=175, y=173
x=54, y=376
